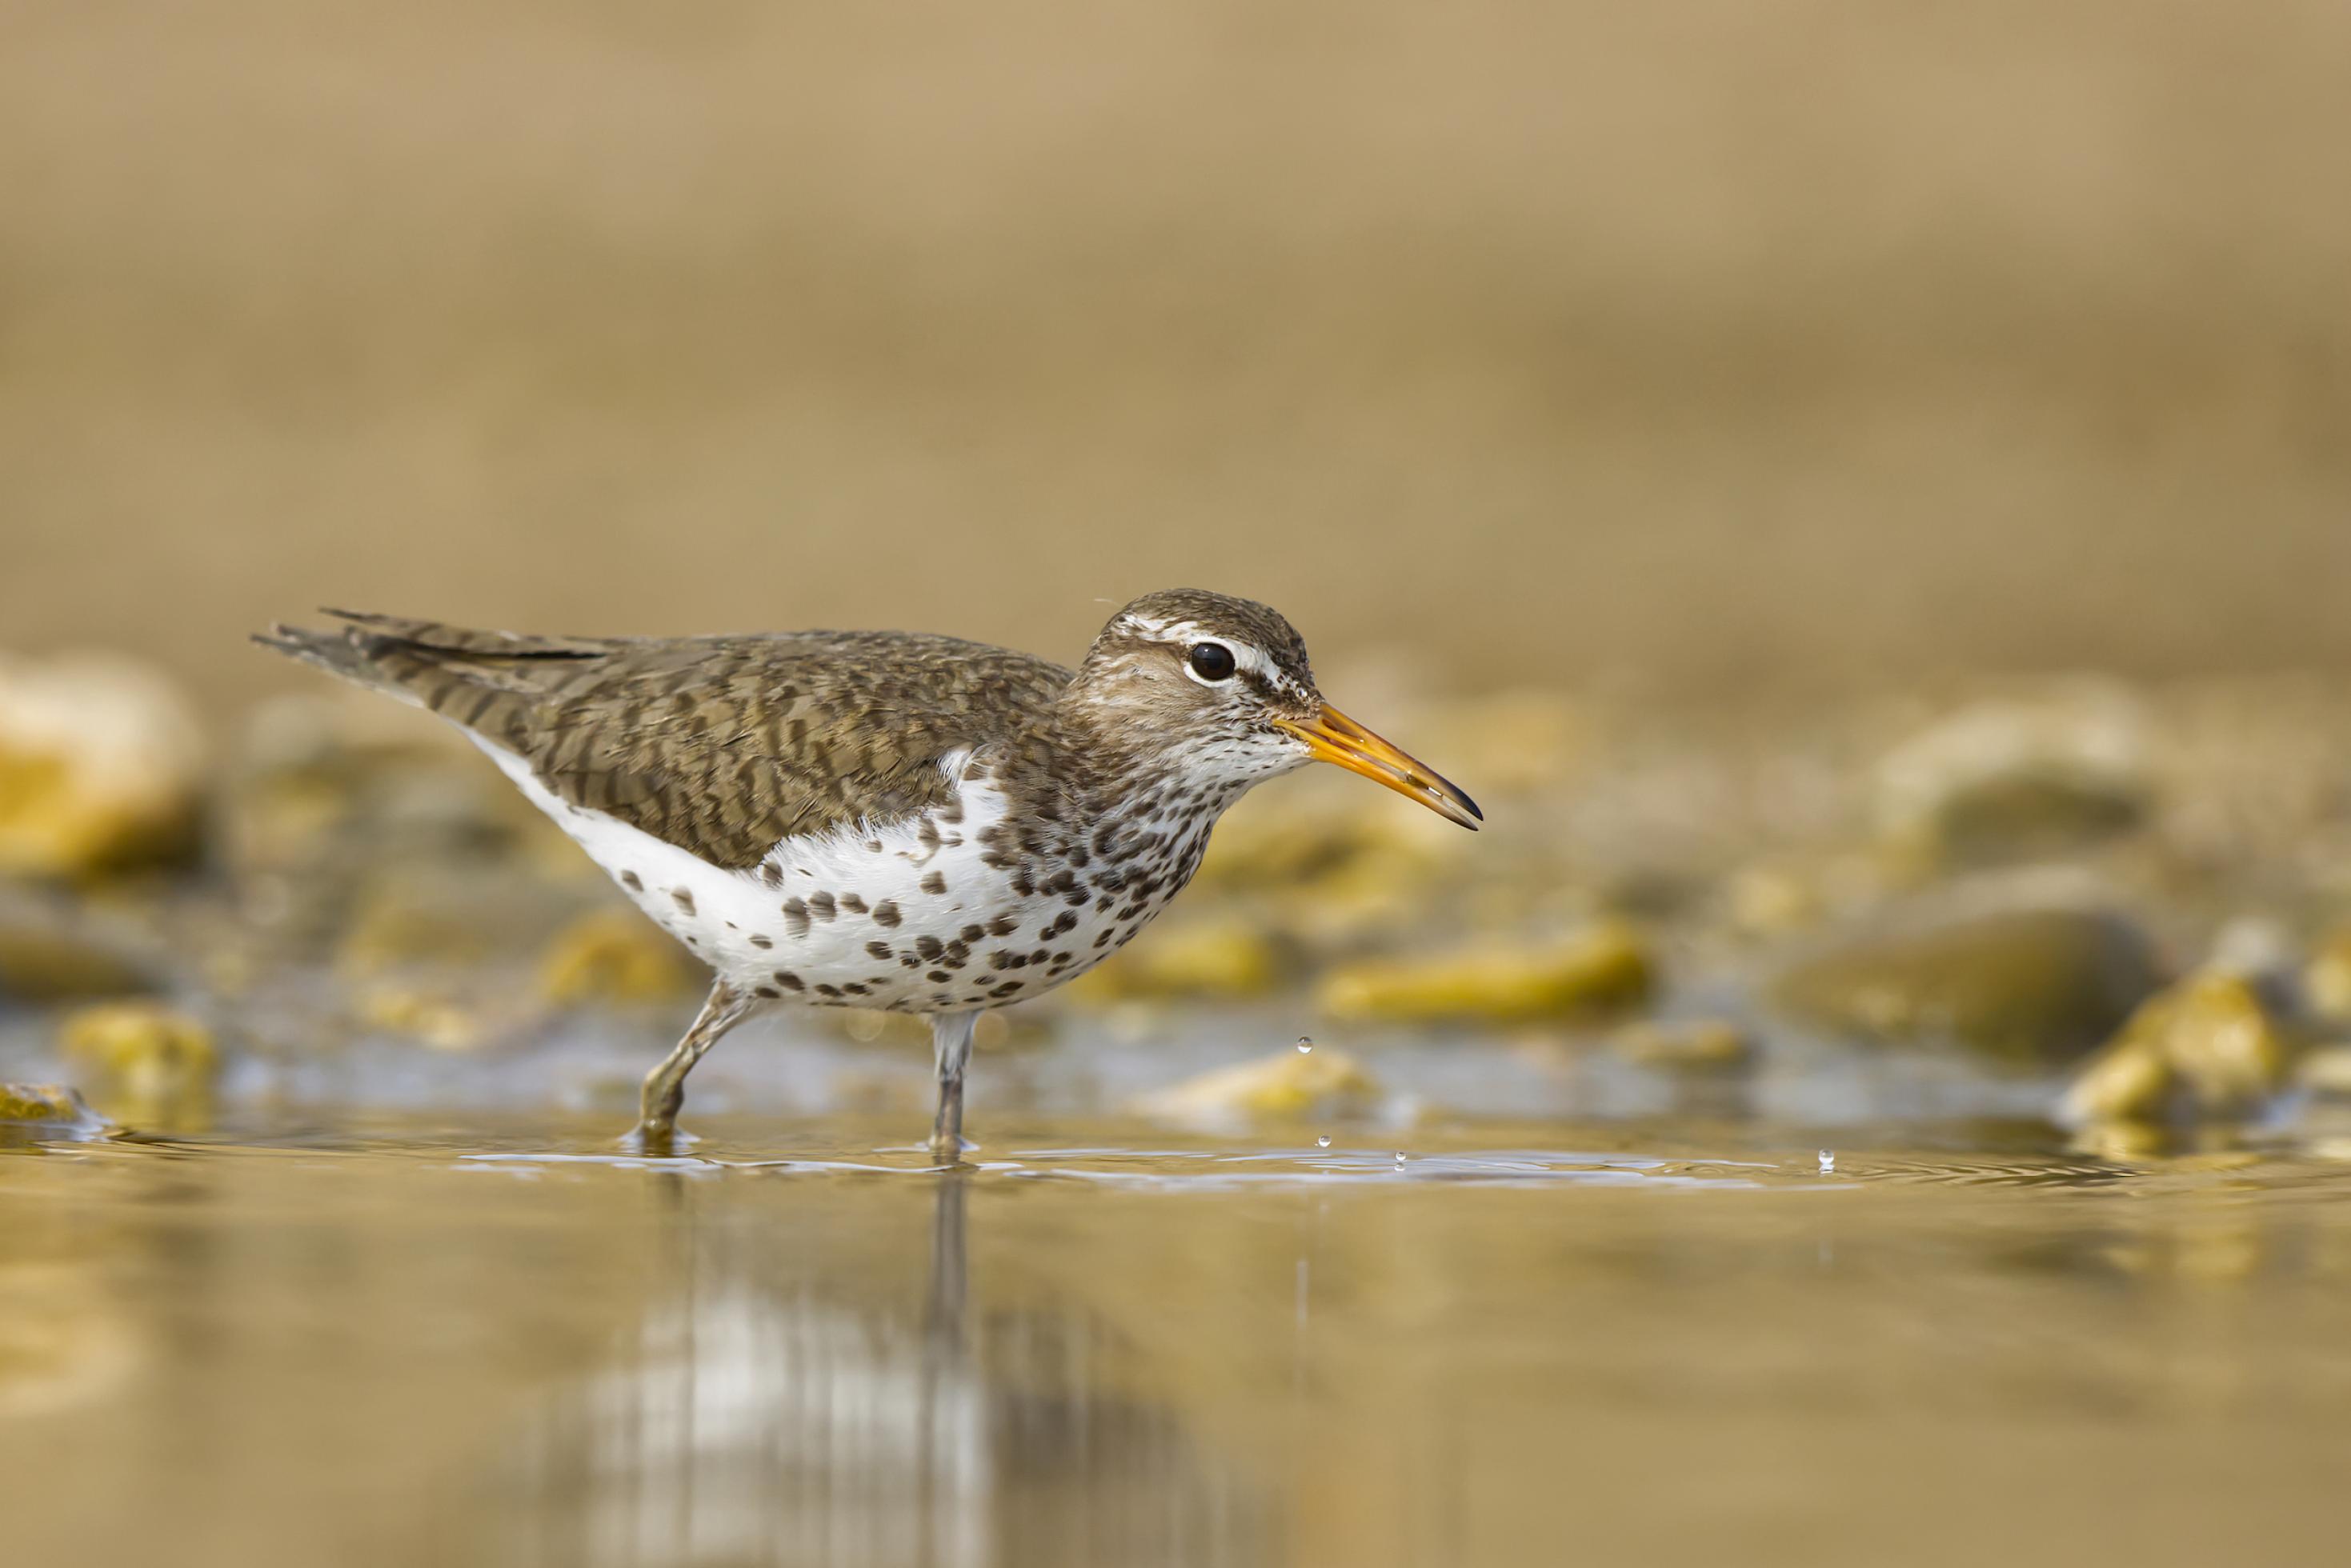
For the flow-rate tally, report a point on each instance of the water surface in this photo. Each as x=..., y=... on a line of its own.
x=407, y=1338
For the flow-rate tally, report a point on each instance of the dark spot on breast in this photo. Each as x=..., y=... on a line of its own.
x=929, y=946
x=772, y=874
x=788, y=980
x=854, y=988
x=1007, y=989
x=796, y=919
x=939, y=976
x=760, y=941
x=821, y=905
x=1103, y=940
x=831, y=990
x=632, y=882
x=974, y=933
x=881, y=950
x=908, y=961
x=1001, y=960
x=1023, y=886
x=683, y=899
x=874, y=847
x=768, y=991
x=852, y=903
x=934, y=884
x=885, y=913
x=1003, y=925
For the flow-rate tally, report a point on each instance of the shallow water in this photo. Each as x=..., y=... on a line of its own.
x=461, y=1338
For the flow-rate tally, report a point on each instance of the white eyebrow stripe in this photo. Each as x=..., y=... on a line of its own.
x=1247, y=655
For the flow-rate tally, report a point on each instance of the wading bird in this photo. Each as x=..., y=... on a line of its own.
x=884, y=819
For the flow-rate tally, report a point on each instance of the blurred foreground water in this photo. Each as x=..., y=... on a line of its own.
x=427, y=1339
x=1906, y=1127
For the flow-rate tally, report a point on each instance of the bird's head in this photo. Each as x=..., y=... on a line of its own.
x=1220, y=689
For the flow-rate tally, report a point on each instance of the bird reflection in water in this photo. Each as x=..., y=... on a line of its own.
x=797, y=1415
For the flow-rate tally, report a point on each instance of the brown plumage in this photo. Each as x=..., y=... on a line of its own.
x=721, y=745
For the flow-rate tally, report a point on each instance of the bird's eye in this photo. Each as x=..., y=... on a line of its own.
x=1212, y=661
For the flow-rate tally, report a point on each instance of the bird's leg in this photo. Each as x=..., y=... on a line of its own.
x=951, y=1043
x=665, y=1090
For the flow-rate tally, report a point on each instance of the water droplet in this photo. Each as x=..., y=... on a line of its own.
x=1304, y=1045
x=1828, y=1162
x=1399, y=1157
x=1322, y=1142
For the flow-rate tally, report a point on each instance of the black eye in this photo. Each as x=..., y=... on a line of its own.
x=1212, y=661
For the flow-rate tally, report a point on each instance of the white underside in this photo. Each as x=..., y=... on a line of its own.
x=739, y=921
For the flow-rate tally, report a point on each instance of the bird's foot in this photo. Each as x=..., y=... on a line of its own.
x=656, y=1140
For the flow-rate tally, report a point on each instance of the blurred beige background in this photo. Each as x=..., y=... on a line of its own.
x=1721, y=340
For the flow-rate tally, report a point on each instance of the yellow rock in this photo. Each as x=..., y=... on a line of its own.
x=145, y=1052
x=1326, y=827
x=2326, y=1071
x=102, y=764
x=1601, y=968
x=2223, y=1043
x=2327, y=979
x=45, y=1105
x=2206, y=1046
x=1767, y=901
x=423, y=1015
x=615, y=955
x=1188, y=959
x=1288, y=1085
x=2129, y=1081
x=1701, y=1045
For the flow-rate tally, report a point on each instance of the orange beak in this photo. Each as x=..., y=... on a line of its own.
x=1334, y=738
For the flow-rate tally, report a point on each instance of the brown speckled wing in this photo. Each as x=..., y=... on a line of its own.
x=720, y=745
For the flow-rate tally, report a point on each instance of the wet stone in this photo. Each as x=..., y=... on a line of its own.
x=2005, y=781
x=1285, y=1086
x=1230, y=957
x=144, y=1051
x=614, y=955
x=101, y=767
x=1605, y=968
x=52, y=956
x=1696, y=1046
x=2207, y=1048
x=43, y=1107
x=2024, y=985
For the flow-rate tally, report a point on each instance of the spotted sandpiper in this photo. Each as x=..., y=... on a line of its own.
x=884, y=819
